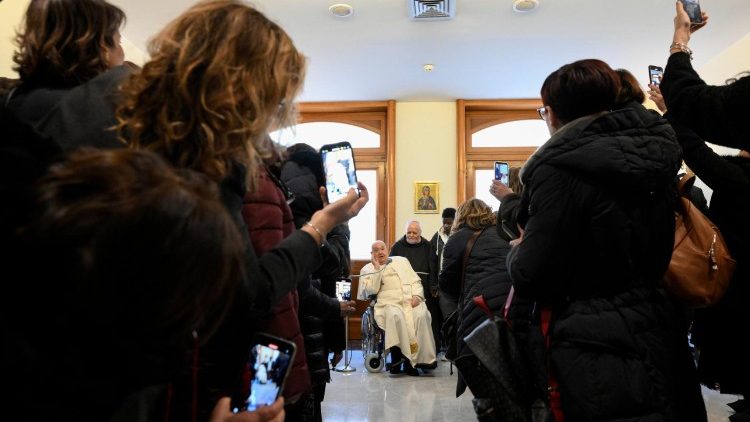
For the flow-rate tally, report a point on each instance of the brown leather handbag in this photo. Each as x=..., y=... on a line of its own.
x=701, y=266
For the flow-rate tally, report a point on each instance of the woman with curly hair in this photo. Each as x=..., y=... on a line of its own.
x=63, y=44
x=221, y=77
x=484, y=273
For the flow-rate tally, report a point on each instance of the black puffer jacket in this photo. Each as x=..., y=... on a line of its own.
x=486, y=274
x=507, y=217
x=320, y=319
x=716, y=113
x=599, y=229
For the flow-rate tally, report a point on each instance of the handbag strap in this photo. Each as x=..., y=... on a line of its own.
x=554, y=385
x=685, y=184
x=482, y=304
x=467, y=252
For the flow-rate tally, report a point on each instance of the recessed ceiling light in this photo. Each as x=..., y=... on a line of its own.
x=341, y=10
x=428, y=67
x=523, y=6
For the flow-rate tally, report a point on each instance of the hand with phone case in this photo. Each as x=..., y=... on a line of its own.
x=684, y=25
x=270, y=361
x=336, y=213
x=343, y=196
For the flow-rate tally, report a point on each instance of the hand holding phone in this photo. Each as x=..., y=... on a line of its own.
x=340, y=171
x=502, y=170
x=655, y=74
x=344, y=290
x=693, y=9
x=270, y=362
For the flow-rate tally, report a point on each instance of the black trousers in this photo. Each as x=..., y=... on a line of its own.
x=433, y=305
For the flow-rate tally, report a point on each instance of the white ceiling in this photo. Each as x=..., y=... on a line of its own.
x=486, y=51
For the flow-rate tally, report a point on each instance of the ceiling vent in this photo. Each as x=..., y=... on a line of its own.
x=432, y=9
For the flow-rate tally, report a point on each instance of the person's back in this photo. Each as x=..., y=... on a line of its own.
x=63, y=44
x=596, y=257
x=100, y=322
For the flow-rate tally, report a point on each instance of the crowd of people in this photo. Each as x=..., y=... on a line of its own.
x=152, y=228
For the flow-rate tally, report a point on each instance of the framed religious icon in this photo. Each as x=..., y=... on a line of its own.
x=426, y=197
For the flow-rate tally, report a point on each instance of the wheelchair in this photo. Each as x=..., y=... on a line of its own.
x=373, y=339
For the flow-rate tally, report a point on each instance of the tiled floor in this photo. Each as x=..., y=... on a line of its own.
x=362, y=396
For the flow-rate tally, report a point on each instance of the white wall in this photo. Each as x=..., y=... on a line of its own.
x=425, y=151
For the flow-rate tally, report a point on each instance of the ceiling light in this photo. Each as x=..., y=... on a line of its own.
x=341, y=10
x=522, y=6
x=428, y=67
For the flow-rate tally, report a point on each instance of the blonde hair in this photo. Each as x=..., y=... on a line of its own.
x=221, y=77
x=474, y=214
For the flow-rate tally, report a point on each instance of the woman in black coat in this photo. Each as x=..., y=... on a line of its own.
x=599, y=228
x=486, y=275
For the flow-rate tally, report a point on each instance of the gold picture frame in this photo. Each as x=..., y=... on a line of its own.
x=426, y=197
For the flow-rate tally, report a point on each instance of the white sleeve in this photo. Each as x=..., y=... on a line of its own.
x=368, y=284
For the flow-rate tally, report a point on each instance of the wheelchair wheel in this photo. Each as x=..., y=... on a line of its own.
x=369, y=333
x=374, y=362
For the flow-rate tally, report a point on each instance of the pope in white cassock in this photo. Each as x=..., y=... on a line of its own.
x=400, y=310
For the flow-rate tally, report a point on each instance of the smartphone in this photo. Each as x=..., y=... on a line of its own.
x=344, y=290
x=693, y=9
x=341, y=174
x=655, y=74
x=501, y=172
x=269, y=364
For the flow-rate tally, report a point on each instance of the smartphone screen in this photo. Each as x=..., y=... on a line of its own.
x=655, y=74
x=693, y=9
x=270, y=361
x=344, y=290
x=341, y=174
x=501, y=172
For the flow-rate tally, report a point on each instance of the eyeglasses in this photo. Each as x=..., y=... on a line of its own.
x=542, y=112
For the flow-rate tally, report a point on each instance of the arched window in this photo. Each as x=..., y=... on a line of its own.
x=316, y=134
x=501, y=130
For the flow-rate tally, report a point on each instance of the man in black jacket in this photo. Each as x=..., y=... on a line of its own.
x=437, y=243
x=417, y=250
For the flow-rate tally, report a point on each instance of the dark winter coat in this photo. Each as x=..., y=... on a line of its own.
x=507, y=217
x=418, y=256
x=318, y=307
x=85, y=115
x=717, y=114
x=73, y=116
x=486, y=275
x=715, y=328
x=269, y=221
x=598, y=208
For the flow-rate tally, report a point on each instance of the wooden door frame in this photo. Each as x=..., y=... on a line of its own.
x=475, y=115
